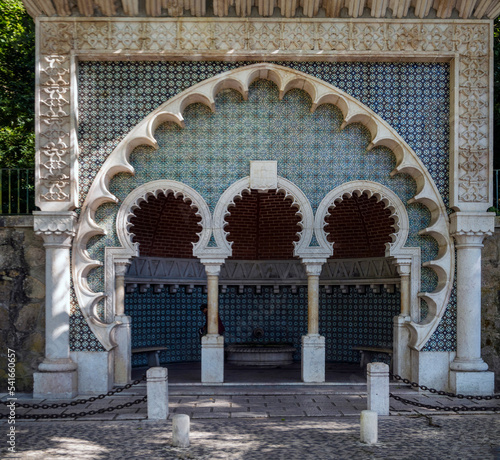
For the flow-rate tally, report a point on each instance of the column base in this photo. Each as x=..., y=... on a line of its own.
x=212, y=359
x=55, y=385
x=468, y=365
x=472, y=383
x=313, y=358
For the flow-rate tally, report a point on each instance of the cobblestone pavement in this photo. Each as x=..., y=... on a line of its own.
x=413, y=437
x=211, y=405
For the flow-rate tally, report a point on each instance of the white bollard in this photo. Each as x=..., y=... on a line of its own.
x=180, y=430
x=377, y=384
x=157, y=387
x=369, y=427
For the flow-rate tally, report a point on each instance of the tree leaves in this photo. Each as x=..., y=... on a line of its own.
x=17, y=85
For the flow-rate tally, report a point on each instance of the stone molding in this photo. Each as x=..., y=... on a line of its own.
x=265, y=8
x=465, y=43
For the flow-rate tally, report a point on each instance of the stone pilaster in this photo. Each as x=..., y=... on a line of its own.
x=122, y=332
x=401, y=358
x=57, y=376
x=468, y=370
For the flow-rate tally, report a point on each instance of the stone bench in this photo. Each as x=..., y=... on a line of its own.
x=368, y=353
x=153, y=354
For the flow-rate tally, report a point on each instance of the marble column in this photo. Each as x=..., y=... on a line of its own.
x=468, y=371
x=401, y=359
x=57, y=375
x=212, y=344
x=122, y=332
x=313, y=345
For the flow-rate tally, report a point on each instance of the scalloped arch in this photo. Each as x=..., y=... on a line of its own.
x=154, y=188
x=286, y=79
x=238, y=188
x=382, y=193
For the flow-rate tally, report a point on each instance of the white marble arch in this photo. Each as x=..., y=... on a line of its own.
x=236, y=190
x=240, y=79
x=443, y=266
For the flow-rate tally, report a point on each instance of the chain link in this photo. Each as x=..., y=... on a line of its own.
x=77, y=414
x=78, y=401
x=445, y=408
x=442, y=393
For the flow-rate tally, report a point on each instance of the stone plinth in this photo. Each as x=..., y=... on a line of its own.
x=55, y=385
x=212, y=359
x=157, y=388
x=472, y=383
x=313, y=358
x=378, y=388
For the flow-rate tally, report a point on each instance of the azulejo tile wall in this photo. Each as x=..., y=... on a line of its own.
x=214, y=149
x=346, y=320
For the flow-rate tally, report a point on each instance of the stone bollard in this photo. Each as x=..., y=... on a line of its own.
x=378, y=388
x=180, y=430
x=157, y=387
x=369, y=427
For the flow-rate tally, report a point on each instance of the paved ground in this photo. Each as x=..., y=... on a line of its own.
x=283, y=402
x=400, y=437
x=259, y=421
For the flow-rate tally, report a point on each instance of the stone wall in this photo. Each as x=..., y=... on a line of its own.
x=491, y=303
x=22, y=299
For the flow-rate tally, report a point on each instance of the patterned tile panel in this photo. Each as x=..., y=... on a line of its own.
x=346, y=320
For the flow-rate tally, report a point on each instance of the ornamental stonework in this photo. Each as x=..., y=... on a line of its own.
x=467, y=42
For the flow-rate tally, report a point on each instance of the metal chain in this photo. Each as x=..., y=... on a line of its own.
x=77, y=414
x=442, y=393
x=445, y=408
x=78, y=401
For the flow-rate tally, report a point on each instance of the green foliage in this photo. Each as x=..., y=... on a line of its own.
x=496, y=97
x=17, y=85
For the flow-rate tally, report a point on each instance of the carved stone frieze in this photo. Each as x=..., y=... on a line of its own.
x=54, y=159
x=155, y=270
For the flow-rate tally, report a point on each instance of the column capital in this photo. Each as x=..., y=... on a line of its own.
x=212, y=266
x=470, y=228
x=121, y=267
x=56, y=228
x=313, y=266
x=403, y=267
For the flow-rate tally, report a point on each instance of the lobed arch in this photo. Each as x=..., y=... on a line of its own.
x=286, y=79
x=300, y=201
x=383, y=194
x=420, y=331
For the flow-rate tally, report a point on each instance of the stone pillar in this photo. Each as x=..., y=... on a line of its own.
x=401, y=359
x=122, y=332
x=157, y=391
x=57, y=376
x=212, y=344
x=313, y=345
x=377, y=388
x=468, y=371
